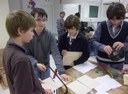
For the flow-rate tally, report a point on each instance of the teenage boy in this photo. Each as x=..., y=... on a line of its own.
x=73, y=40
x=18, y=68
x=40, y=47
x=111, y=35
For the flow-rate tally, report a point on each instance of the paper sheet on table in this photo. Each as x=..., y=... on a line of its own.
x=106, y=83
x=102, y=92
x=78, y=88
x=85, y=67
x=70, y=57
x=49, y=83
x=83, y=85
x=88, y=81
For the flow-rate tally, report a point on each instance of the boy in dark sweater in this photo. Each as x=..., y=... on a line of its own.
x=111, y=35
x=20, y=76
x=73, y=40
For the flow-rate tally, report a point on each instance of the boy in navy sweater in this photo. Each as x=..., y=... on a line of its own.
x=73, y=40
x=111, y=35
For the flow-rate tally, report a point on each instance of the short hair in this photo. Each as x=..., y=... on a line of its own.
x=62, y=12
x=77, y=14
x=19, y=19
x=72, y=21
x=116, y=10
x=41, y=12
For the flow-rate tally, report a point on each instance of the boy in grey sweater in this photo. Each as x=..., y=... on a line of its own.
x=40, y=47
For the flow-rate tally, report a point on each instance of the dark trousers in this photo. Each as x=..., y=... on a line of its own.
x=60, y=32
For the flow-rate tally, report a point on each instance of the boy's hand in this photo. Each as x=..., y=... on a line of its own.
x=48, y=91
x=41, y=67
x=41, y=81
x=65, y=77
x=64, y=52
x=108, y=49
x=118, y=45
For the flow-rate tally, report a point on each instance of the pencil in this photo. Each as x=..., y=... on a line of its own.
x=105, y=68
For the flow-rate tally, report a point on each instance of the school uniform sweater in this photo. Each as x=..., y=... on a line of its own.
x=107, y=39
x=80, y=44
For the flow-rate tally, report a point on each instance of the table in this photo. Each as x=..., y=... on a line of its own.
x=93, y=74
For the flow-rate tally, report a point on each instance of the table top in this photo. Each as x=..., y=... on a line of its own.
x=74, y=74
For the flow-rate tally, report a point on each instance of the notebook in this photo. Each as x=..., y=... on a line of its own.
x=70, y=57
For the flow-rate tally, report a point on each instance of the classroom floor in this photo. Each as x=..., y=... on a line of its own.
x=6, y=91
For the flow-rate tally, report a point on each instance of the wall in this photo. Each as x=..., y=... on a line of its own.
x=70, y=9
x=84, y=9
x=3, y=34
x=58, y=7
x=92, y=21
x=15, y=4
x=71, y=6
x=72, y=1
x=52, y=7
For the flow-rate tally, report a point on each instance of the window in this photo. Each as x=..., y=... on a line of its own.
x=93, y=11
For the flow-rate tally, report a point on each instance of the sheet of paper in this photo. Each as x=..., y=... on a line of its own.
x=49, y=83
x=106, y=83
x=78, y=88
x=88, y=81
x=70, y=57
x=102, y=92
x=85, y=67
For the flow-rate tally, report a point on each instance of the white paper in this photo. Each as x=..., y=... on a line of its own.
x=78, y=88
x=88, y=81
x=106, y=83
x=85, y=67
x=49, y=83
x=83, y=85
x=102, y=92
